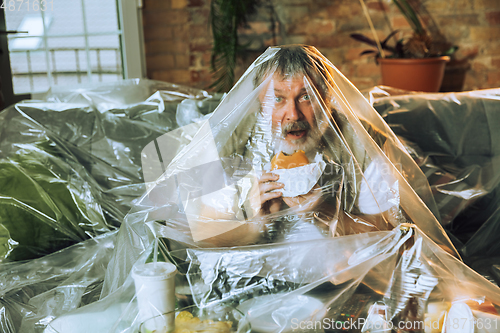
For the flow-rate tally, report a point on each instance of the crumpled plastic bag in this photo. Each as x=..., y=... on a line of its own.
x=71, y=170
x=365, y=282
x=453, y=139
x=70, y=164
x=314, y=262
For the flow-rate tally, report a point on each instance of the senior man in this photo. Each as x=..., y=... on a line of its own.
x=298, y=111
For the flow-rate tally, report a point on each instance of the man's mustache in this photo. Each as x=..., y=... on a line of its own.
x=295, y=126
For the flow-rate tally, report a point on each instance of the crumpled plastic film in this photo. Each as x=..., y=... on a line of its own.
x=48, y=200
x=219, y=191
x=70, y=170
x=405, y=280
x=34, y=292
x=282, y=267
x=71, y=162
x=118, y=312
x=247, y=251
x=365, y=282
x=453, y=137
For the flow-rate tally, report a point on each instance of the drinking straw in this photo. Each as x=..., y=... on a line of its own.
x=155, y=253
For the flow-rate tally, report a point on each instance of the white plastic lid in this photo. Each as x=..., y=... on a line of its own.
x=154, y=271
x=460, y=319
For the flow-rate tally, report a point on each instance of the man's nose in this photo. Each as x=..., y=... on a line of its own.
x=292, y=111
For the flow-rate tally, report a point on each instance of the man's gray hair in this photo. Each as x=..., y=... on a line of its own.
x=297, y=59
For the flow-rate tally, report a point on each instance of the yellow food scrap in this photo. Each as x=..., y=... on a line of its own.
x=185, y=322
x=183, y=315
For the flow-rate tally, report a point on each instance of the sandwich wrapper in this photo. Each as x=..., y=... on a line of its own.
x=300, y=180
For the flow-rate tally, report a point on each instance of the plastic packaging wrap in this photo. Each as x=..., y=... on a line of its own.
x=70, y=169
x=34, y=292
x=454, y=139
x=217, y=189
x=217, y=283
x=367, y=282
x=247, y=257
x=402, y=274
x=70, y=164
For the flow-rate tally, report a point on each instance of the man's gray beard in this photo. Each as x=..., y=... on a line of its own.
x=309, y=145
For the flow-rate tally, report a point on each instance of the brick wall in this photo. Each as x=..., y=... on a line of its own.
x=178, y=42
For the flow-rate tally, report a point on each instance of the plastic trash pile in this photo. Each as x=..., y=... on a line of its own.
x=181, y=224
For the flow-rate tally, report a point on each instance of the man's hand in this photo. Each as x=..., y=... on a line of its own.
x=305, y=202
x=271, y=201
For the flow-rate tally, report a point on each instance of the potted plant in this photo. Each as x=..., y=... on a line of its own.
x=414, y=63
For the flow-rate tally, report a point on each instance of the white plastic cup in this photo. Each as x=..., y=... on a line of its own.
x=155, y=291
x=459, y=319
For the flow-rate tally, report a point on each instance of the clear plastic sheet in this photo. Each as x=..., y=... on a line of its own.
x=219, y=215
x=70, y=162
x=218, y=190
x=366, y=282
x=402, y=272
x=454, y=138
x=34, y=292
x=353, y=244
x=70, y=169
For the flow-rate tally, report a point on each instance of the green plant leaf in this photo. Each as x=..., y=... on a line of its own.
x=226, y=16
x=451, y=50
x=410, y=15
x=44, y=205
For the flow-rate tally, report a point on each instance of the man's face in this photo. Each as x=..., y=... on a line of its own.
x=293, y=119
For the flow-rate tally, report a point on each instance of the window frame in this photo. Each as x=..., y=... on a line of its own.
x=130, y=37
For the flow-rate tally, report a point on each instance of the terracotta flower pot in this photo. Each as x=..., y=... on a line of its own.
x=413, y=74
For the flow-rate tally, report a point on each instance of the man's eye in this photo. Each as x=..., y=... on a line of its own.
x=305, y=97
x=278, y=99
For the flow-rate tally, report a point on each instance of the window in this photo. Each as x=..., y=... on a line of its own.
x=72, y=42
